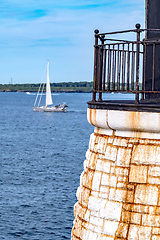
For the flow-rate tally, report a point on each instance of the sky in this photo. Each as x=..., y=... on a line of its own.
x=34, y=31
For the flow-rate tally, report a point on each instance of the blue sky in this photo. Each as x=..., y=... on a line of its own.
x=33, y=31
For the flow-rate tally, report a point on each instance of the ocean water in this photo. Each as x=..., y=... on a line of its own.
x=41, y=159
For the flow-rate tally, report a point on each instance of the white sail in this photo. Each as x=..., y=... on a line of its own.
x=47, y=108
x=48, y=89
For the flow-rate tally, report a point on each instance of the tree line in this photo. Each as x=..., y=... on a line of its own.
x=55, y=87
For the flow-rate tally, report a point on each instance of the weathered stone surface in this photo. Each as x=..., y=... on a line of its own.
x=96, y=181
x=96, y=221
x=138, y=174
x=104, y=195
x=110, y=139
x=154, y=180
x=140, y=208
x=110, y=227
x=111, y=153
x=146, y=154
x=122, y=179
x=75, y=238
x=104, y=189
x=88, y=234
x=103, y=166
x=122, y=185
x=156, y=231
x=119, y=193
x=121, y=142
x=150, y=220
x=136, y=218
x=156, y=238
x=94, y=193
x=83, y=196
x=139, y=233
x=86, y=178
x=119, y=171
x=87, y=216
x=113, y=181
x=147, y=195
x=91, y=160
x=79, y=211
x=76, y=231
x=126, y=217
x=130, y=186
x=92, y=141
x=154, y=171
x=105, y=179
x=122, y=230
x=111, y=211
x=104, y=237
x=123, y=157
x=94, y=203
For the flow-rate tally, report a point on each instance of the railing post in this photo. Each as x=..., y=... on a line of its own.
x=95, y=65
x=144, y=70
x=100, y=72
x=137, y=62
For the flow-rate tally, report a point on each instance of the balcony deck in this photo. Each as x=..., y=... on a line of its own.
x=125, y=105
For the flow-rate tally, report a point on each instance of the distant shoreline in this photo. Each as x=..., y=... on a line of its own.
x=64, y=91
x=64, y=87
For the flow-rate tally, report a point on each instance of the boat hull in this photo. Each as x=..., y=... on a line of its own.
x=49, y=109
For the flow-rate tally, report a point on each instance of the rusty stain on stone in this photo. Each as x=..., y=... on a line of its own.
x=134, y=120
x=92, y=116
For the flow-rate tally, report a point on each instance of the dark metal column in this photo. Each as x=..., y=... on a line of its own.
x=152, y=73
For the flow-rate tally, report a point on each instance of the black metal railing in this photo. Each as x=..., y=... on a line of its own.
x=120, y=65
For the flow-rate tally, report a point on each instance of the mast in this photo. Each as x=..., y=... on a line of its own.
x=48, y=88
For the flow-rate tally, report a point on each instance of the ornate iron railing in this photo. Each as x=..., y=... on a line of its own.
x=120, y=65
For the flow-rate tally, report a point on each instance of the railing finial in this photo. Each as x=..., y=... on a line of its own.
x=138, y=26
x=96, y=31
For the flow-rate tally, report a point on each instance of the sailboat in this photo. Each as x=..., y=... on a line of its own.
x=49, y=107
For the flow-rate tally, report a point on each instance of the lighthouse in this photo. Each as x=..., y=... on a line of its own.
x=119, y=193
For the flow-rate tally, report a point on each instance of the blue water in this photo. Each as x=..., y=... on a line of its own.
x=41, y=159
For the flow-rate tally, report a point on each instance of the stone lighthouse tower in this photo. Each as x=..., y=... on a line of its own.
x=119, y=193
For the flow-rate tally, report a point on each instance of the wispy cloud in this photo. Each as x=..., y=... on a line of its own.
x=60, y=30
